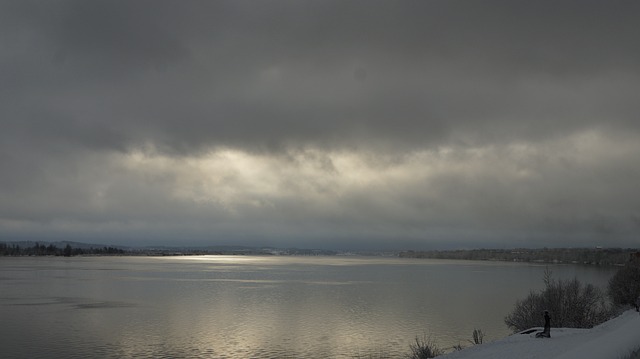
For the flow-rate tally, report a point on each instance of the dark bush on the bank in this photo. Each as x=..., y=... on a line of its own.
x=478, y=337
x=570, y=303
x=624, y=286
x=424, y=348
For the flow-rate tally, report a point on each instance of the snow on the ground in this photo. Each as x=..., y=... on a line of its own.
x=614, y=339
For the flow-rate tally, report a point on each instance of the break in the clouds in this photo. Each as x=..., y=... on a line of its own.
x=319, y=124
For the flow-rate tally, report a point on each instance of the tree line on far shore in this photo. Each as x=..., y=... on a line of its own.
x=597, y=256
x=53, y=250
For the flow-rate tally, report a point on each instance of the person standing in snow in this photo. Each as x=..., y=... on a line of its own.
x=547, y=324
x=546, y=333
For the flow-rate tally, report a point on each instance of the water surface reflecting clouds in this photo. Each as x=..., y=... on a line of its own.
x=254, y=307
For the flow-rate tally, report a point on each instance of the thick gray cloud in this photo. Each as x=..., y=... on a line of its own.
x=400, y=123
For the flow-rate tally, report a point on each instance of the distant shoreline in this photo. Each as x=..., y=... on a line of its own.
x=70, y=249
x=583, y=256
x=589, y=256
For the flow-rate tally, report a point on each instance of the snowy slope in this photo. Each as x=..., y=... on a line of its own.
x=614, y=339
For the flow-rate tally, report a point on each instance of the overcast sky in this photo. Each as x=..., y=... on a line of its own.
x=352, y=124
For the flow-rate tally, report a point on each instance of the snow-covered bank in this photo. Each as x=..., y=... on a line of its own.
x=613, y=339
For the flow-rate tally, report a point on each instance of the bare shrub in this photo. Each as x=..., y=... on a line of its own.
x=570, y=303
x=424, y=348
x=478, y=336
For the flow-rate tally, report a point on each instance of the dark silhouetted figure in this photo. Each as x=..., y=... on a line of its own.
x=546, y=333
x=638, y=304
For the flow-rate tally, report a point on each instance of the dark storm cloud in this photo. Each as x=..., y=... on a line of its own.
x=84, y=85
x=194, y=74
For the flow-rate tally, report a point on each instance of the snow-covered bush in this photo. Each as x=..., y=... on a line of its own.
x=570, y=304
x=624, y=286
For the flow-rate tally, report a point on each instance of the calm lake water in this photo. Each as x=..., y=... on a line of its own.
x=255, y=307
